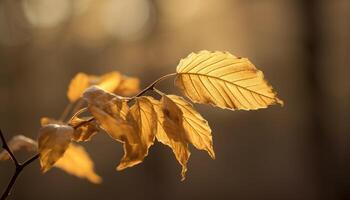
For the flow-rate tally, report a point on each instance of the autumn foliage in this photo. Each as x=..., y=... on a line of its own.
x=107, y=103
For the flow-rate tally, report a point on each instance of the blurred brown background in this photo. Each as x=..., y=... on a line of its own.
x=300, y=151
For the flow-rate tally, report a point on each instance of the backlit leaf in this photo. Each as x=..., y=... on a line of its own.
x=53, y=141
x=77, y=86
x=84, y=132
x=196, y=127
x=111, y=82
x=146, y=119
x=114, y=117
x=108, y=82
x=224, y=80
x=17, y=143
x=171, y=133
x=128, y=86
x=76, y=161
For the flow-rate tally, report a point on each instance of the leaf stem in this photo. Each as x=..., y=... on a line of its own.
x=76, y=114
x=152, y=85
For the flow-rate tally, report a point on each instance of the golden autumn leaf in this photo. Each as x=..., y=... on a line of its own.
x=108, y=82
x=196, y=127
x=146, y=119
x=114, y=117
x=128, y=86
x=224, y=80
x=111, y=82
x=76, y=161
x=171, y=133
x=53, y=140
x=17, y=143
x=143, y=118
x=77, y=86
x=84, y=132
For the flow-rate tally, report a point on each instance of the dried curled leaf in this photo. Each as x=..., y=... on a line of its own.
x=143, y=117
x=171, y=132
x=53, y=141
x=17, y=143
x=111, y=82
x=224, y=80
x=196, y=127
x=76, y=161
x=114, y=117
x=84, y=132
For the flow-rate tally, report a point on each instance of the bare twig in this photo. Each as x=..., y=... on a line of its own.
x=18, y=169
x=6, y=147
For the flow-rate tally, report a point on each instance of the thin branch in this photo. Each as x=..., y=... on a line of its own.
x=30, y=160
x=84, y=122
x=11, y=183
x=152, y=85
x=18, y=168
x=6, y=147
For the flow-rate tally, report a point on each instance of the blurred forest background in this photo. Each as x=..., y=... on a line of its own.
x=300, y=151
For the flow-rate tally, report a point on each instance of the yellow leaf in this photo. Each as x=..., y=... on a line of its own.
x=170, y=131
x=53, y=141
x=224, y=80
x=111, y=82
x=108, y=82
x=84, y=132
x=76, y=161
x=114, y=117
x=128, y=86
x=146, y=119
x=196, y=127
x=77, y=86
x=17, y=143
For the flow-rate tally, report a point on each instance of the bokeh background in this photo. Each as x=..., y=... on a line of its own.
x=300, y=151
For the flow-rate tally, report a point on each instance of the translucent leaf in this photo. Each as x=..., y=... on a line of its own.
x=84, y=132
x=76, y=161
x=224, y=80
x=112, y=113
x=146, y=120
x=170, y=131
x=128, y=86
x=108, y=82
x=196, y=127
x=17, y=143
x=77, y=86
x=53, y=141
x=111, y=82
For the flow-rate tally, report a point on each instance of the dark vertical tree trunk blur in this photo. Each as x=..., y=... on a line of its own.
x=318, y=138
x=323, y=155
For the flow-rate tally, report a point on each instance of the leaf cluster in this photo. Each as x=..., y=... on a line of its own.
x=107, y=103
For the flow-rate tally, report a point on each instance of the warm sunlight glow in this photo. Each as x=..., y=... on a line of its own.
x=46, y=13
x=126, y=20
